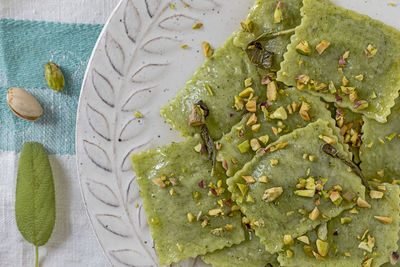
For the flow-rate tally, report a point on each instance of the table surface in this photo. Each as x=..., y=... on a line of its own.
x=73, y=242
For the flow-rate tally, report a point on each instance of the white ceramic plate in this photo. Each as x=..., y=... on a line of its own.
x=138, y=64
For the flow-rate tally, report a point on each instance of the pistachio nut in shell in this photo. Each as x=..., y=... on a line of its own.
x=54, y=76
x=23, y=104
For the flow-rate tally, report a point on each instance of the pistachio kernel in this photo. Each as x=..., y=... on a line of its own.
x=263, y=179
x=264, y=139
x=362, y=203
x=345, y=220
x=256, y=127
x=304, y=239
x=255, y=145
x=244, y=146
x=243, y=188
x=248, y=82
x=239, y=105
x=252, y=120
x=321, y=47
x=197, y=26
x=305, y=107
x=274, y=162
x=249, y=179
x=376, y=194
x=322, y=247
x=314, y=214
x=336, y=198
x=190, y=217
x=272, y=194
x=304, y=193
x=251, y=105
x=289, y=253
x=370, y=51
x=159, y=182
x=207, y=50
x=247, y=92
x=279, y=114
x=304, y=48
x=288, y=240
x=385, y=220
x=359, y=77
x=54, y=76
x=247, y=25
x=278, y=13
x=272, y=91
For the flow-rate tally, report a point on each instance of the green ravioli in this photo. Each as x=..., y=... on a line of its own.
x=261, y=14
x=381, y=147
x=372, y=67
x=226, y=71
x=230, y=153
x=274, y=207
x=248, y=253
x=346, y=238
x=189, y=212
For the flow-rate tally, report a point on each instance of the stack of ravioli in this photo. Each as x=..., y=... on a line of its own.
x=290, y=140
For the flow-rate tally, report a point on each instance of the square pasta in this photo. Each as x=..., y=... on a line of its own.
x=223, y=75
x=355, y=238
x=189, y=212
x=295, y=186
x=380, y=148
x=291, y=110
x=248, y=253
x=344, y=57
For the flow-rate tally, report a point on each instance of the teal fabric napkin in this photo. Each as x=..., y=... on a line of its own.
x=25, y=47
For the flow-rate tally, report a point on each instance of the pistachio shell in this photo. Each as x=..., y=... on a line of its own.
x=54, y=76
x=23, y=104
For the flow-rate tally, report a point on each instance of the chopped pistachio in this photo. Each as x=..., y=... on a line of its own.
x=322, y=231
x=272, y=91
x=264, y=139
x=304, y=239
x=375, y=194
x=275, y=130
x=263, y=179
x=238, y=103
x=336, y=198
x=138, y=114
x=347, y=254
x=391, y=136
x=272, y=193
x=305, y=107
x=288, y=240
x=322, y=46
x=197, y=26
x=278, y=13
x=274, y=162
x=159, y=182
x=362, y=203
x=251, y=105
x=331, y=87
x=172, y=192
x=190, y=217
x=197, y=116
x=255, y=145
x=305, y=193
x=234, y=160
x=244, y=146
x=209, y=89
x=250, y=199
x=256, y=127
x=247, y=92
x=308, y=250
x=345, y=81
x=361, y=104
x=304, y=48
x=314, y=214
x=247, y=25
x=198, y=147
x=289, y=253
x=249, y=179
x=371, y=51
x=367, y=244
x=353, y=96
x=381, y=187
x=345, y=220
x=196, y=195
x=279, y=114
x=248, y=82
x=207, y=50
x=322, y=247
x=172, y=6
x=228, y=227
x=215, y=212
x=367, y=263
x=252, y=120
x=204, y=223
x=328, y=140
x=360, y=77
x=184, y=46
x=385, y=220
x=243, y=188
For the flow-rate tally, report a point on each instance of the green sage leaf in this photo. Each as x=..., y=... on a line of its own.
x=35, y=198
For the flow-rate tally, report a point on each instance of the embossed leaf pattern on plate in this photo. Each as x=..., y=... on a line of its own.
x=137, y=65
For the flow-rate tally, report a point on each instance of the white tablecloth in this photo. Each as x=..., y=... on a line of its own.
x=73, y=242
